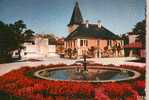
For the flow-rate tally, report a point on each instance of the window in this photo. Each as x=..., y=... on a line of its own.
x=86, y=42
x=81, y=42
x=108, y=42
x=70, y=44
x=33, y=42
x=16, y=53
x=25, y=53
x=74, y=43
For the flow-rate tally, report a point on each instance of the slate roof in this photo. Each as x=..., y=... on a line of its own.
x=92, y=31
x=76, y=17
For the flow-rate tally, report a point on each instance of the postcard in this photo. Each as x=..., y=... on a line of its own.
x=73, y=49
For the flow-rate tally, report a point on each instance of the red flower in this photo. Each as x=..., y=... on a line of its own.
x=17, y=83
x=100, y=96
x=139, y=84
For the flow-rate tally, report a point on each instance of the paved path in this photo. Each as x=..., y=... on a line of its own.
x=4, y=68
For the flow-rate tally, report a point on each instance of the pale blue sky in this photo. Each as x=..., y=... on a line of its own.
x=52, y=16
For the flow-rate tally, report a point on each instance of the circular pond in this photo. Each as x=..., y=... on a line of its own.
x=93, y=74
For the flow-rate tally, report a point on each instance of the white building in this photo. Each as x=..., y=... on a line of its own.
x=135, y=47
x=38, y=48
x=132, y=38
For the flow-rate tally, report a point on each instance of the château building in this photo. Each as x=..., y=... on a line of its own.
x=92, y=39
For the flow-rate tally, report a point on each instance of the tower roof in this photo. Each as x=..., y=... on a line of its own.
x=76, y=17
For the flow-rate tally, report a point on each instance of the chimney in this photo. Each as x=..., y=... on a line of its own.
x=99, y=23
x=87, y=23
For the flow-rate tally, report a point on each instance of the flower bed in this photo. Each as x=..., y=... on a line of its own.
x=19, y=83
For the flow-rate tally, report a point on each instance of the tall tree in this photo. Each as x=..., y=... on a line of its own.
x=139, y=29
x=12, y=37
x=8, y=41
x=18, y=27
x=22, y=34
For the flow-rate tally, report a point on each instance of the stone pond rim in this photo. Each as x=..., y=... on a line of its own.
x=134, y=76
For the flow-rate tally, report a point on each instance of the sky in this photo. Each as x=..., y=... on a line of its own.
x=53, y=16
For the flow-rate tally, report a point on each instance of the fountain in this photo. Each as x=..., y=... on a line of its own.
x=87, y=73
x=84, y=63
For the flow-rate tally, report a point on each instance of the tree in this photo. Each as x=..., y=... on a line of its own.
x=74, y=52
x=22, y=34
x=8, y=41
x=69, y=52
x=18, y=28
x=139, y=29
x=126, y=41
x=51, y=38
x=12, y=37
x=91, y=51
x=28, y=34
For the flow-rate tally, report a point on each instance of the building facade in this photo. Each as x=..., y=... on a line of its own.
x=38, y=47
x=92, y=39
x=135, y=48
x=60, y=46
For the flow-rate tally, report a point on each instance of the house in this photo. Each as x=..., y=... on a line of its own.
x=134, y=47
x=92, y=39
x=60, y=46
x=38, y=47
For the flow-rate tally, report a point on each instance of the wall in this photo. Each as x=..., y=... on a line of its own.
x=132, y=38
x=52, y=50
x=41, y=49
x=70, y=44
x=97, y=43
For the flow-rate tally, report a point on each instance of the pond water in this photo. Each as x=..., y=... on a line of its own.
x=93, y=74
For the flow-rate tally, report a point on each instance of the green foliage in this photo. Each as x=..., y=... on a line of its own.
x=140, y=30
x=31, y=74
x=51, y=38
x=6, y=96
x=12, y=37
x=28, y=34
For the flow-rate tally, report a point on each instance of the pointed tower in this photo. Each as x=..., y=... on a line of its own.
x=76, y=18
